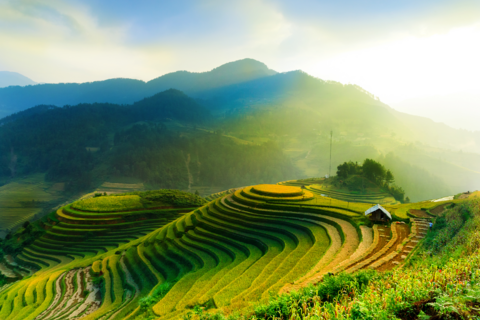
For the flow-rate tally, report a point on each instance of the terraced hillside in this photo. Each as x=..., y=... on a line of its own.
x=92, y=226
x=361, y=202
x=371, y=197
x=23, y=198
x=233, y=252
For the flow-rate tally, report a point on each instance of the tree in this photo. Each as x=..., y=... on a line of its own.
x=342, y=171
x=373, y=170
x=389, y=177
x=398, y=193
x=348, y=168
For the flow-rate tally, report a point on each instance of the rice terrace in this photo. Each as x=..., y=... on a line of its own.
x=239, y=160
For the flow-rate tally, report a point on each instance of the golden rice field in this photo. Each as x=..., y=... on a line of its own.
x=227, y=255
x=277, y=190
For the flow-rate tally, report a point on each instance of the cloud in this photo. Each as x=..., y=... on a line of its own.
x=59, y=41
x=76, y=41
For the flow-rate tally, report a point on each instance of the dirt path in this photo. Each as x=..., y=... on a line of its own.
x=68, y=293
x=56, y=299
x=403, y=230
x=6, y=271
x=73, y=297
x=384, y=235
x=91, y=303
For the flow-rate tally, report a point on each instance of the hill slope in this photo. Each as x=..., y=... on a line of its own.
x=127, y=91
x=235, y=250
x=251, y=104
x=14, y=79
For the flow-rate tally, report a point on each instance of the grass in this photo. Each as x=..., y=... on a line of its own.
x=109, y=203
x=372, y=197
x=402, y=211
x=16, y=199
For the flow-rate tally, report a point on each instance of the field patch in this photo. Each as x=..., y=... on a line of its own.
x=21, y=199
x=109, y=204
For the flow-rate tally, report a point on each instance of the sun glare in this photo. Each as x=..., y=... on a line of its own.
x=411, y=67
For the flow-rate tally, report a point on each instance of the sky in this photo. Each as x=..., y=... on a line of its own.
x=415, y=55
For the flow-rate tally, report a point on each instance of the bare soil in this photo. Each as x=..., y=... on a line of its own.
x=385, y=235
x=439, y=209
x=419, y=213
x=403, y=230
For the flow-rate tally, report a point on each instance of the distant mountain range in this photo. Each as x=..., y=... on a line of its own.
x=8, y=78
x=127, y=91
x=247, y=102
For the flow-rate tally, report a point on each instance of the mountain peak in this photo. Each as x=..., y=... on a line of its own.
x=244, y=66
x=227, y=74
x=8, y=78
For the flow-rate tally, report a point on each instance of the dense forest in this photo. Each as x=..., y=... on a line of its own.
x=164, y=159
x=83, y=143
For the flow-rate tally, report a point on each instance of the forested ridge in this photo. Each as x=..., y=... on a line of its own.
x=247, y=105
x=82, y=143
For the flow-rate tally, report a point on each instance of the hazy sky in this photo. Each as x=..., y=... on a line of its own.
x=398, y=50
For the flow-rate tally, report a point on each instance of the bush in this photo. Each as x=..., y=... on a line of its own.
x=328, y=290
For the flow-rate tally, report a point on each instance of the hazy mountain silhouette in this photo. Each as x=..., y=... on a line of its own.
x=127, y=91
x=8, y=78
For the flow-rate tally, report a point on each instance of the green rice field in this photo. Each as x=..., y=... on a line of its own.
x=226, y=255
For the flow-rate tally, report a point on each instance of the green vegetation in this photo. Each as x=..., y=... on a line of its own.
x=443, y=285
x=352, y=176
x=263, y=131
x=254, y=252
x=155, y=141
x=138, y=200
x=106, y=204
x=24, y=198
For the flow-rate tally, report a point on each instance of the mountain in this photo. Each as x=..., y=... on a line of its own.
x=8, y=78
x=298, y=112
x=127, y=91
x=227, y=74
x=159, y=140
x=343, y=108
x=247, y=103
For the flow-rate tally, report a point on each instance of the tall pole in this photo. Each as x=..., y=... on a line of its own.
x=330, y=168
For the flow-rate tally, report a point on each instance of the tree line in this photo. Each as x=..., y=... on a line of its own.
x=374, y=172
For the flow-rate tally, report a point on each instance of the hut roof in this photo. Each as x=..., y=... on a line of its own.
x=378, y=207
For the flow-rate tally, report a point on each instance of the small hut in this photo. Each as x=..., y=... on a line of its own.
x=378, y=213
